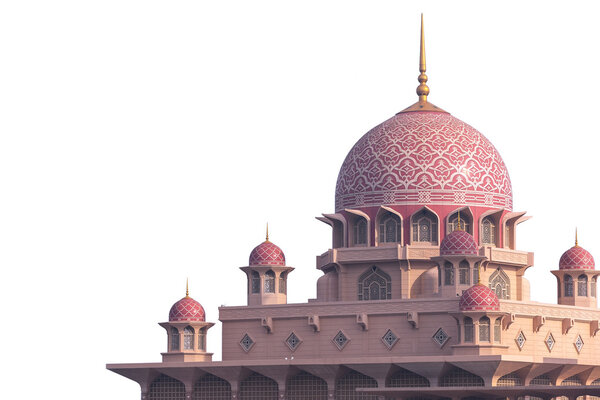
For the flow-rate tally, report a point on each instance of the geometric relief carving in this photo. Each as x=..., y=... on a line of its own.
x=578, y=343
x=520, y=340
x=293, y=341
x=389, y=339
x=440, y=337
x=340, y=340
x=550, y=342
x=247, y=343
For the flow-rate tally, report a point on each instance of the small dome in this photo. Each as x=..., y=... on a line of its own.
x=576, y=258
x=479, y=298
x=459, y=243
x=187, y=309
x=267, y=253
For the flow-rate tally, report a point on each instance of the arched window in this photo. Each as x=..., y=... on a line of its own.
x=582, y=285
x=306, y=386
x=211, y=387
x=374, y=284
x=593, y=287
x=258, y=387
x=389, y=229
x=484, y=329
x=500, y=284
x=463, y=273
x=406, y=378
x=459, y=377
x=166, y=388
x=282, y=283
x=424, y=227
x=476, y=273
x=488, y=231
x=468, y=330
x=345, y=387
x=174, y=339
x=269, y=282
x=188, y=338
x=448, y=274
x=202, y=340
x=255, y=282
x=568, y=286
x=512, y=379
x=465, y=222
x=497, y=330
x=360, y=231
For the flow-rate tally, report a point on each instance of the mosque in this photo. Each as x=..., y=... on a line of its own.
x=423, y=294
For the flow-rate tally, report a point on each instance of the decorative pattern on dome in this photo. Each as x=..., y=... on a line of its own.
x=576, y=258
x=187, y=309
x=459, y=243
x=479, y=298
x=423, y=157
x=267, y=253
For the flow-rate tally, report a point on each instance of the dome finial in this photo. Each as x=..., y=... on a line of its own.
x=576, y=244
x=187, y=289
x=267, y=238
x=422, y=89
x=459, y=226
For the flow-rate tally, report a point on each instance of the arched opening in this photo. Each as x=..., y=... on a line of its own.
x=359, y=236
x=571, y=381
x=568, y=286
x=306, y=386
x=166, y=388
x=582, y=281
x=255, y=282
x=174, y=339
x=188, y=338
x=488, y=231
x=211, y=387
x=406, y=378
x=466, y=223
x=390, y=228
x=512, y=379
x=463, y=273
x=202, y=339
x=593, y=286
x=345, y=387
x=498, y=330
x=283, y=282
x=269, y=282
x=448, y=274
x=424, y=226
x=258, y=387
x=469, y=329
x=459, y=377
x=484, y=329
x=374, y=284
x=500, y=284
x=543, y=380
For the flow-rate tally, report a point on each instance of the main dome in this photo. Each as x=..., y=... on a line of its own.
x=423, y=157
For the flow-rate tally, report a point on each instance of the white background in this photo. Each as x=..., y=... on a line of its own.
x=144, y=142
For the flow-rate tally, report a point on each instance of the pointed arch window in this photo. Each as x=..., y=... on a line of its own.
x=389, y=229
x=593, y=286
x=360, y=231
x=374, y=284
x=448, y=274
x=568, y=286
x=500, y=284
x=255, y=282
x=582, y=281
x=424, y=227
x=282, y=283
x=488, y=231
x=497, y=330
x=468, y=330
x=484, y=329
x=269, y=282
x=463, y=273
x=188, y=338
x=465, y=222
x=174, y=339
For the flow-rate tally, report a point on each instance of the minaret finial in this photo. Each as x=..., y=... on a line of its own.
x=576, y=244
x=187, y=288
x=459, y=226
x=422, y=89
x=267, y=239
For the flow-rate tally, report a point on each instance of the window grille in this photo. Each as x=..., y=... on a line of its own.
x=571, y=381
x=568, y=286
x=460, y=377
x=269, y=282
x=468, y=330
x=582, y=285
x=211, y=387
x=484, y=329
x=258, y=387
x=463, y=273
x=500, y=284
x=596, y=382
x=406, y=378
x=306, y=386
x=188, y=338
x=488, y=234
x=360, y=231
x=389, y=229
x=282, y=283
x=345, y=387
x=498, y=330
x=166, y=388
x=448, y=274
x=512, y=379
x=374, y=284
x=255, y=282
x=174, y=339
x=246, y=343
x=424, y=227
x=543, y=380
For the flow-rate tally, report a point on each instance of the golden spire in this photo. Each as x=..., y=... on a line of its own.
x=422, y=89
x=267, y=239
x=576, y=244
x=187, y=289
x=459, y=227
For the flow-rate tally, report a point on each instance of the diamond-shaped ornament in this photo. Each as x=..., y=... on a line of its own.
x=246, y=343
x=550, y=341
x=440, y=337
x=293, y=341
x=340, y=340
x=389, y=339
x=578, y=343
x=520, y=339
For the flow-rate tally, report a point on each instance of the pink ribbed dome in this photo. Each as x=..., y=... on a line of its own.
x=479, y=298
x=459, y=243
x=267, y=253
x=187, y=309
x=576, y=258
x=423, y=158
